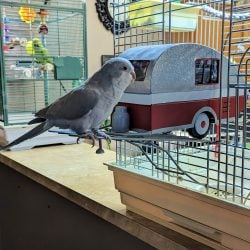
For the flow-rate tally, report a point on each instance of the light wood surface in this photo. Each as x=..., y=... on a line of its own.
x=77, y=173
x=76, y=167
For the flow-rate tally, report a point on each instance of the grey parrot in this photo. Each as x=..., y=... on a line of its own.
x=85, y=108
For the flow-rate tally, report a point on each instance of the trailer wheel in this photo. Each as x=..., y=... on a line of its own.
x=201, y=126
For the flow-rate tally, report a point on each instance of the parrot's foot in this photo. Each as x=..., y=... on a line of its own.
x=96, y=134
x=88, y=135
x=99, y=134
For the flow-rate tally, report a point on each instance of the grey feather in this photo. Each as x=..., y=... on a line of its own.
x=37, y=120
x=83, y=100
x=86, y=107
x=30, y=134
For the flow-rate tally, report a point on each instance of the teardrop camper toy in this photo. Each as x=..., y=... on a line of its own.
x=177, y=87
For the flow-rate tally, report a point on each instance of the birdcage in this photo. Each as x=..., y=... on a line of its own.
x=44, y=54
x=216, y=164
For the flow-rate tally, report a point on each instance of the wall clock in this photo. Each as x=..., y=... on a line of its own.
x=106, y=15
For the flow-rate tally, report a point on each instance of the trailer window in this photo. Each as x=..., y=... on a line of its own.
x=207, y=71
x=141, y=67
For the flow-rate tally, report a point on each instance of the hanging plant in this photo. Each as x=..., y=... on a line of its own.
x=27, y=15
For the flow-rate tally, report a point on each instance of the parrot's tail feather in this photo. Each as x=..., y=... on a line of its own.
x=30, y=134
x=36, y=120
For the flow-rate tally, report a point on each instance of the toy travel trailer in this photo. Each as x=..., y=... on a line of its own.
x=177, y=87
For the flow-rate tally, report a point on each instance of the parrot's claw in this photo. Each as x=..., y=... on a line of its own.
x=102, y=135
x=87, y=135
x=95, y=134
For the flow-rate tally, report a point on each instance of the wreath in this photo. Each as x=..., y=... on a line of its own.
x=106, y=18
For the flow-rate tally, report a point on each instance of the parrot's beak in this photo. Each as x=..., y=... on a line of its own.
x=132, y=73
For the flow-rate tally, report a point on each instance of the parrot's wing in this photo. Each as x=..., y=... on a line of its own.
x=72, y=106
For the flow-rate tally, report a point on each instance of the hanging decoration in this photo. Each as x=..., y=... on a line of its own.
x=105, y=11
x=16, y=41
x=27, y=15
x=6, y=30
x=43, y=28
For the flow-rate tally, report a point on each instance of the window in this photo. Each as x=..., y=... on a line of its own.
x=207, y=71
x=141, y=67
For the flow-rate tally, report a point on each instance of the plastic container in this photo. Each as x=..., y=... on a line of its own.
x=120, y=120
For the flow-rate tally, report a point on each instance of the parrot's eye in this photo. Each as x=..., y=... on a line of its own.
x=125, y=68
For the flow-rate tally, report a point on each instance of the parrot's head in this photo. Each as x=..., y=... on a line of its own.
x=117, y=73
x=36, y=43
x=119, y=67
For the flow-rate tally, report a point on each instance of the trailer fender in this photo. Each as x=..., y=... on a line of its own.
x=210, y=112
x=202, y=121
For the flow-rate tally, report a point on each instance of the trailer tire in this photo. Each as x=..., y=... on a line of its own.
x=201, y=126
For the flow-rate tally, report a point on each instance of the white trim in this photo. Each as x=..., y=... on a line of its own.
x=169, y=129
x=149, y=99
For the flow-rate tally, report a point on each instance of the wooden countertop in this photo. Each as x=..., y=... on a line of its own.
x=77, y=173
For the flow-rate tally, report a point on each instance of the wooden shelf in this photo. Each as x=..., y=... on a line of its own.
x=77, y=173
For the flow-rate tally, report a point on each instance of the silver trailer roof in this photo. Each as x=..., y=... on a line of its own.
x=172, y=67
x=150, y=52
